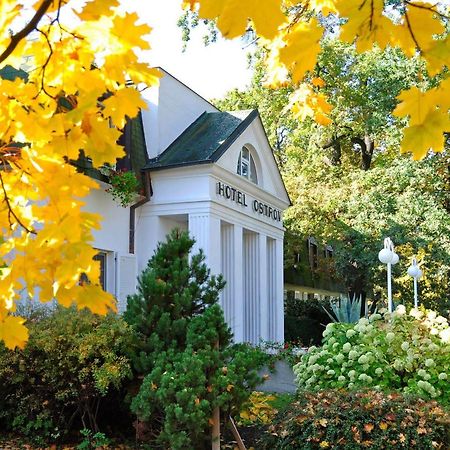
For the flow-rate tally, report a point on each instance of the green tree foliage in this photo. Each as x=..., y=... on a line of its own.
x=73, y=364
x=185, y=356
x=362, y=88
x=353, y=211
x=335, y=198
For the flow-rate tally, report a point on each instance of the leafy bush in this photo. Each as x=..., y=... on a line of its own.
x=184, y=353
x=405, y=352
x=359, y=420
x=305, y=320
x=72, y=361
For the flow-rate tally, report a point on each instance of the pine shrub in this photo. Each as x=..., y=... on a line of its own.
x=184, y=350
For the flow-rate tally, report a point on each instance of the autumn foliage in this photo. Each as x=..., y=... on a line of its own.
x=80, y=80
x=292, y=32
x=359, y=420
x=80, y=83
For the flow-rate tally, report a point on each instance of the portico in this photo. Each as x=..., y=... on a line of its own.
x=235, y=220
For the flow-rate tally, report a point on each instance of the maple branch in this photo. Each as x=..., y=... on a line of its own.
x=44, y=66
x=24, y=32
x=408, y=23
x=11, y=210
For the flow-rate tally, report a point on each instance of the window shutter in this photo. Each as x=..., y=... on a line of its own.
x=126, y=277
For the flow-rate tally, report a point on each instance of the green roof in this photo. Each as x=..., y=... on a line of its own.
x=11, y=73
x=205, y=140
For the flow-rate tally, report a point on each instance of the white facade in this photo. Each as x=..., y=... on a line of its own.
x=236, y=222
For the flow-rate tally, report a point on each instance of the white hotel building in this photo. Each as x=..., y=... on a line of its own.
x=212, y=173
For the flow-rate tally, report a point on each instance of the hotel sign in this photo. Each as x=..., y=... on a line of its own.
x=239, y=197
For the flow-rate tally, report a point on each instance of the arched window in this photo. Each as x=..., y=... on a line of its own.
x=246, y=165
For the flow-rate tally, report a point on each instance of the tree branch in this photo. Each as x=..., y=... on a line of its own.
x=16, y=38
x=10, y=209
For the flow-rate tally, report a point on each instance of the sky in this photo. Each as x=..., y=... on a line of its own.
x=210, y=71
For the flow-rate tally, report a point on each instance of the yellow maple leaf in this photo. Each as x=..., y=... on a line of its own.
x=366, y=23
x=123, y=103
x=416, y=104
x=91, y=10
x=436, y=55
x=233, y=15
x=299, y=48
x=420, y=138
x=421, y=24
x=13, y=332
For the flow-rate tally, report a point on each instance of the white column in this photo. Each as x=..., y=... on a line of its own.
x=252, y=319
x=272, y=274
x=238, y=288
x=263, y=291
x=279, y=308
x=205, y=229
x=227, y=251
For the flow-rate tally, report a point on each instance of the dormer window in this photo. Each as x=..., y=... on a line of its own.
x=246, y=165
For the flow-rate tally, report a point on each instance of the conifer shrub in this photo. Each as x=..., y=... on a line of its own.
x=338, y=419
x=74, y=363
x=184, y=350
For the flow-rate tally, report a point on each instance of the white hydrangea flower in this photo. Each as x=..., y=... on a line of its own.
x=331, y=372
x=350, y=333
x=429, y=362
x=339, y=358
x=405, y=346
x=442, y=376
x=352, y=374
x=341, y=378
x=353, y=354
x=363, y=359
x=379, y=371
x=422, y=373
x=390, y=336
x=351, y=385
x=431, y=315
x=347, y=347
x=417, y=314
x=445, y=335
x=401, y=310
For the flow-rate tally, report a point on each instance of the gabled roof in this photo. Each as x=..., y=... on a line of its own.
x=205, y=140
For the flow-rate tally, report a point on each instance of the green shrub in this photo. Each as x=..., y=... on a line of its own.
x=184, y=353
x=305, y=320
x=72, y=361
x=343, y=420
x=404, y=352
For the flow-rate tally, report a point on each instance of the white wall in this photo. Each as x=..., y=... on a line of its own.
x=113, y=236
x=172, y=108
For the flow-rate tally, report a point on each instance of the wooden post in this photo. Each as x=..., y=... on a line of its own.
x=216, y=421
x=236, y=434
x=216, y=429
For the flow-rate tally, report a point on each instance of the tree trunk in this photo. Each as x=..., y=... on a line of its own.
x=367, y=146
x=336, y=152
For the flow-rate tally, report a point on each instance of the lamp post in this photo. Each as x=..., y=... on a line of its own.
x=388, y=256
x=415, y=272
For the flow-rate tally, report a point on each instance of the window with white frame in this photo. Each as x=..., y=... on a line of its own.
x=246, y=166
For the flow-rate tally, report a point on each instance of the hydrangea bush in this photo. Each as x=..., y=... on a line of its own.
x=398, y=351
